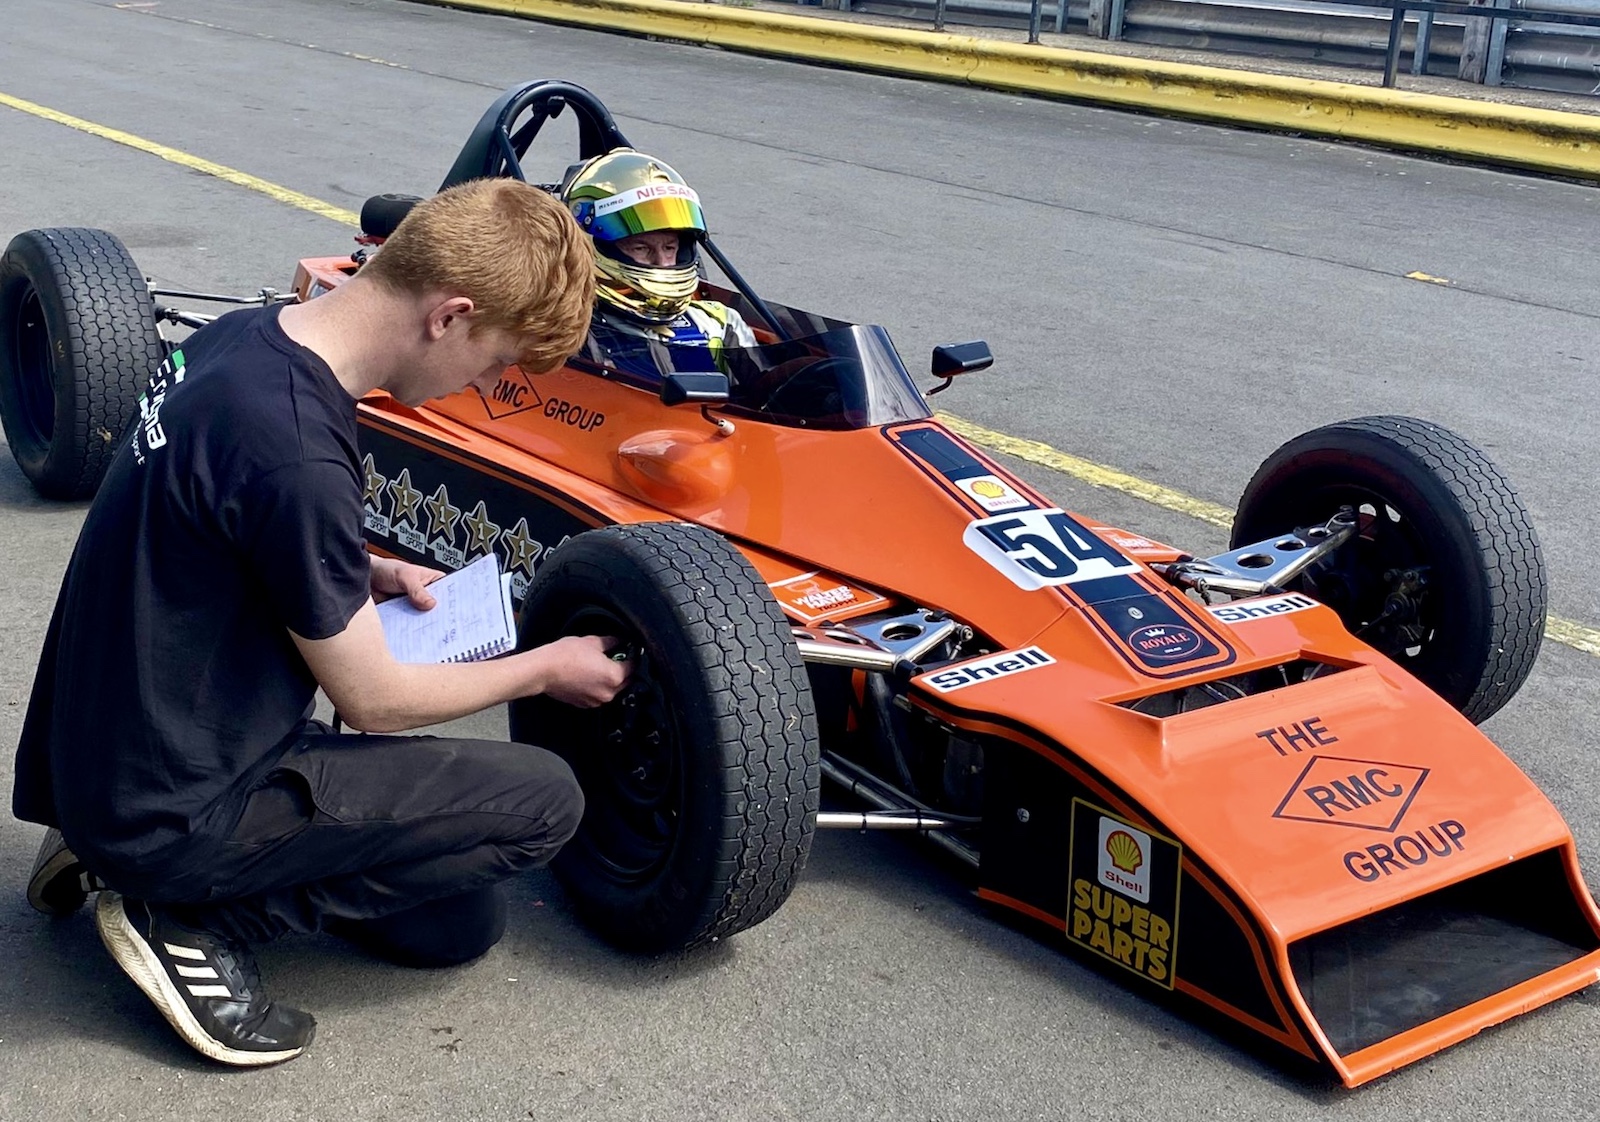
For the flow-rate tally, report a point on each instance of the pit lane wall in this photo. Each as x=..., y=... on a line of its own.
x=1511, y=135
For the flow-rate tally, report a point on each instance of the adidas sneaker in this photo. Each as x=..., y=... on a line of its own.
x=206, y=986
x=59, y=884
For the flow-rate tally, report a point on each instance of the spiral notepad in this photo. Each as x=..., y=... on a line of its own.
x=472, y=620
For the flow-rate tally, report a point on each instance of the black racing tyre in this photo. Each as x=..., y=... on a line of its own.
x=701, y=782
x=1445, y=575
x=78, y=341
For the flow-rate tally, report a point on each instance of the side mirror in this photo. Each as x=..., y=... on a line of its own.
x=959, y=358
x=696, y=389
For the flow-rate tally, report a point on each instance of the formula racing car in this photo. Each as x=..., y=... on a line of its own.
x=1251, y=781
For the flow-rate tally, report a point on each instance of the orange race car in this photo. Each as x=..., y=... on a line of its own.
x=1252, y=780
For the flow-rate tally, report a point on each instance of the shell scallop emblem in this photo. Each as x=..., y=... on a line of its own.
x=988, y=489
x=1124, y=851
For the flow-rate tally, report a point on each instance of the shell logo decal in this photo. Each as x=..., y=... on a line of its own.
x=1124, y=900
x=992, y=493
x=1123, y=858
x=1124, y=852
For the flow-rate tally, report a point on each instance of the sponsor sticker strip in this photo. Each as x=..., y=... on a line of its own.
x=1262, y=607
x=402, y=514
x=985, y=669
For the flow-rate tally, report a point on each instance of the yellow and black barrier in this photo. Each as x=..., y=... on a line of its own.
x=1546, y=140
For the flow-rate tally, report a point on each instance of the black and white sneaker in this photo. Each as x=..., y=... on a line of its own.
x=59, y=884
x=206, y=986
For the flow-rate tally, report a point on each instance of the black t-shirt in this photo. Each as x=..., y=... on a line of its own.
x=169, y=681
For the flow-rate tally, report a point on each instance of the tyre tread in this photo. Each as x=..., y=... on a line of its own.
x=765, y=739
x=1500, y=529
x=111, y=346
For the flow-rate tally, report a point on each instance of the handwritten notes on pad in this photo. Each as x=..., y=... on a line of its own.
x=472, y=619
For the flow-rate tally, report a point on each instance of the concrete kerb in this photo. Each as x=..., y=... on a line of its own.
x=1542, y=139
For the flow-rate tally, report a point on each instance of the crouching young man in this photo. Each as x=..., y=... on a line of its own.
x=220, y=578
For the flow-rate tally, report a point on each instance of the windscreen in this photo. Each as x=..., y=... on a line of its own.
x=848, y=377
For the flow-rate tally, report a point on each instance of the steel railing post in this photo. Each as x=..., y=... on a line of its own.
x=1419, y=53
x=1397, y=27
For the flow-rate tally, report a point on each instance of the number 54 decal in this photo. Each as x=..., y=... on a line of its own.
x=1039, y=548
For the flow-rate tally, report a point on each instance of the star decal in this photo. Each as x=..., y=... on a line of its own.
x=481, y=532
x=442, y=517
x=406, y=497
x=524, y=550
x=372, y=486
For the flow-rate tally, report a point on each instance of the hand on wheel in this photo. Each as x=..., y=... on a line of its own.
x=584, y=670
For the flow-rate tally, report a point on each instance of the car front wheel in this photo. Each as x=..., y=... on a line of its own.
x=1445, y=575
x=701, y=781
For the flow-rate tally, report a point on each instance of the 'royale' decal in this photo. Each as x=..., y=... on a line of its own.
x=986, y=669
x=1166, y=642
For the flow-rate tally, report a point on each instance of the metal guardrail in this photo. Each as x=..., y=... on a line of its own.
x=1547, y=44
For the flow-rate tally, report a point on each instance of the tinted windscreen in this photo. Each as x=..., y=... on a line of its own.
x=848, y=378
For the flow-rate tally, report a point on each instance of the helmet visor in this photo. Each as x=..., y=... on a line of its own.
x=658, y=206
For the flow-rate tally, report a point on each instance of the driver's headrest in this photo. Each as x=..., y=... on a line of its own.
x=381, y=215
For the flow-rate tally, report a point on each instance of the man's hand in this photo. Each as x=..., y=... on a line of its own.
x=374, y=693
x=585, y=670
x=393, y=577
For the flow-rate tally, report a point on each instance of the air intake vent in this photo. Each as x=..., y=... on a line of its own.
x=1198, y=695
x=1400, y=968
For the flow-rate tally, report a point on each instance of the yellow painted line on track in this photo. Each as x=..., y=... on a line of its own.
x=1564, y=143
x=1575, y=635
x=1033, y=452
x=184, y=159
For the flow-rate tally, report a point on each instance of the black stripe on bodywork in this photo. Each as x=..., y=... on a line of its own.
x=1143, y=626
x=935, y=449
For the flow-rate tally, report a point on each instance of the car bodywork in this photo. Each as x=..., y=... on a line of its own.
x=1336, y=860
x=1192, y=771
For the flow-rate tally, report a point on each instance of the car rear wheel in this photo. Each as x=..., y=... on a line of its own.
x=78, y=339
x=701, y=781
x=1445, y=575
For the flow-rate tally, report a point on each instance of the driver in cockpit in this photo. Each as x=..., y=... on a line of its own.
x=645, y=225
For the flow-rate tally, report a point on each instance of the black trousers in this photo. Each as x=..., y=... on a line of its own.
x=397, y=842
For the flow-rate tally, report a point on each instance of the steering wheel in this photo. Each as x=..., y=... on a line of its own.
x=814, y=389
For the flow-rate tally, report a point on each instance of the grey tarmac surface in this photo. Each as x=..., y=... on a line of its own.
x=1170, y=299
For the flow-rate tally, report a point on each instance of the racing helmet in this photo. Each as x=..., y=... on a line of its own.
x=624, y=193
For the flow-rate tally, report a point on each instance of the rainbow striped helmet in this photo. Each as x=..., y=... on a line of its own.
x=625, y=193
